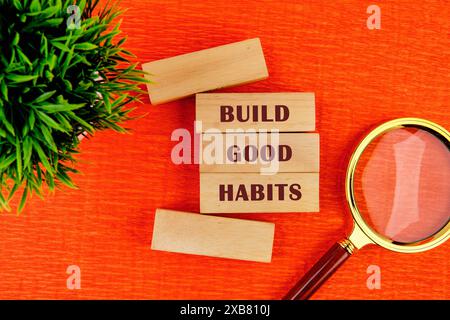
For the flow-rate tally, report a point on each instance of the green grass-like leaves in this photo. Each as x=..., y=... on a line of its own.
x=57, y=83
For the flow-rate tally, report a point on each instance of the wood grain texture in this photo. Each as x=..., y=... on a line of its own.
x=361, y=78
x=263, y=153
x=212, y=68
x=193, y=233
x=296, y=111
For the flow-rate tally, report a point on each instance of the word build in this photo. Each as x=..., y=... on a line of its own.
x=286, y=112
x=253, y=192
x=254, y=113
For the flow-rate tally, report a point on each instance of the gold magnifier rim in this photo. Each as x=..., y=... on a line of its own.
x=427, y=244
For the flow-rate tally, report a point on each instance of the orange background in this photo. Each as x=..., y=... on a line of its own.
x=361, y=77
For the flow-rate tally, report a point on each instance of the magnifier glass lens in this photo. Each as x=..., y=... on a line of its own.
x=402, y=185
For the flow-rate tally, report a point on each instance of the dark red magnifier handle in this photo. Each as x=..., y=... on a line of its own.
x=320, y=272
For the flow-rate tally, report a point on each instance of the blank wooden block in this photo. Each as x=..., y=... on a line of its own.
x=286, y=112
x=252, y=152
x=253, y=192
x=194, y=233
x=218, y=67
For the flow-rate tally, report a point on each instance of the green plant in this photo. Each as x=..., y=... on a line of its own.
x=57, y=82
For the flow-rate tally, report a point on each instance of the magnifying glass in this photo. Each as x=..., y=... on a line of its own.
x=398, y=190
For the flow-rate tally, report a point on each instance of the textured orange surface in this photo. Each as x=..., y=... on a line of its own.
x=360, y=77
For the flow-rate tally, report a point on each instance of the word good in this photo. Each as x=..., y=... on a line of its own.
x=267, y=153
x=251, y=153
x=286, y=112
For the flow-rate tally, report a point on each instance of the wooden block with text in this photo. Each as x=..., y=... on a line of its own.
x=253, y=152
x=193, y=233
x=285, y=111
x=254, y=192
x=228, y=65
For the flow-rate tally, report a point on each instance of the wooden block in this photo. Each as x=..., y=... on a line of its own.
x=253, y=152
x=194, y=233
x=253, y=192
x=287, y=112
x=219, y=67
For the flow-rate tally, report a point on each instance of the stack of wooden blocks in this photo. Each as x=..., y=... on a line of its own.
x=258, y=152
x=270, y=157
